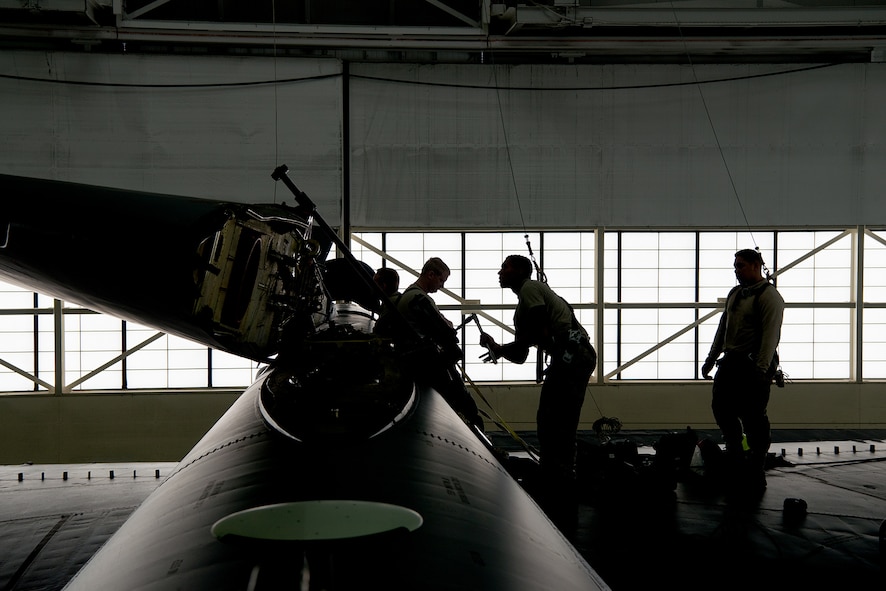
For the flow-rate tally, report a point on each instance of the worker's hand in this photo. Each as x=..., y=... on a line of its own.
x=493, y=349
x=486, y=340
x=762, y=378
x=706, y=369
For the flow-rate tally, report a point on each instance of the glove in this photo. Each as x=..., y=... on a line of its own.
x=492, y=348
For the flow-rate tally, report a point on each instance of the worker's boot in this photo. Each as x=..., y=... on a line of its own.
x=756, y=472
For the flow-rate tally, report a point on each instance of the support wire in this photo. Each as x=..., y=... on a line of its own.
x=714, y=132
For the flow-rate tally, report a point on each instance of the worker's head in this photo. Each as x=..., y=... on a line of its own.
x=748, y=266
x=388, y=280
x=514, y=270
x=434, y=274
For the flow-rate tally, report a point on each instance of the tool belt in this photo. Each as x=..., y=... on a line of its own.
x=735, y=359
x=573, y=346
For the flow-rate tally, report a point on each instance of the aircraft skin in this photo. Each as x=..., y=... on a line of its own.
x=144, y=256
x=332, y=471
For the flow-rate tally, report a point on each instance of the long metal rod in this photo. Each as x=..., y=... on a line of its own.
x=661, y=344
x=25, y=374
x=811, y=253
x=281, y=174
x=115, y=360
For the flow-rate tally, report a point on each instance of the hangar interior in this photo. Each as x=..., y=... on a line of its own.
x=633, y=146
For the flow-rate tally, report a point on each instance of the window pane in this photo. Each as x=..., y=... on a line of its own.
x=361, y=253
x=12, y=296
x=823, y=277
x=231, y=371
x=874, y=360
x=874, y=269
x=643, y=330
x=826, y=354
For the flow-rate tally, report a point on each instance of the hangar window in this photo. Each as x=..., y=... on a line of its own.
x=649, y=299
x=101, y=353
x=659, y=294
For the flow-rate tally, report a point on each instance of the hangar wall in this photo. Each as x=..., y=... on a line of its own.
x=617, y=146
x=202, y=126
x=463, y=146
x=164, y=426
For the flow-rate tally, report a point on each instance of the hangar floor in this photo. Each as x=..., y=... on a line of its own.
x=818, y=524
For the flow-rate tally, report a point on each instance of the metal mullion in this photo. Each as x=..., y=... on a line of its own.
x=36, y=341
x=124, y=379
x=857, y=344
x=59, y=337
x=618, y=283
x=464, y=281
x=599, y=257
x=697, y=294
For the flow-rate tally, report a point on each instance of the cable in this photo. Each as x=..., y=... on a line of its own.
x=276, y=104
x=540, y=360
x=504, y=131
x=600, y=88
x=538, y=270
x=711, y=123
x=713, y=128
x=167, y=86
x=500, y=422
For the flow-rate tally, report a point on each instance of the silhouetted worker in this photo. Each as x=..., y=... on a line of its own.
x=545, y=320
x=748, y=336
x=439, y=350
x=388, y=280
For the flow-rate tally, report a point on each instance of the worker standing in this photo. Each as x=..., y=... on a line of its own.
x=545, y=320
